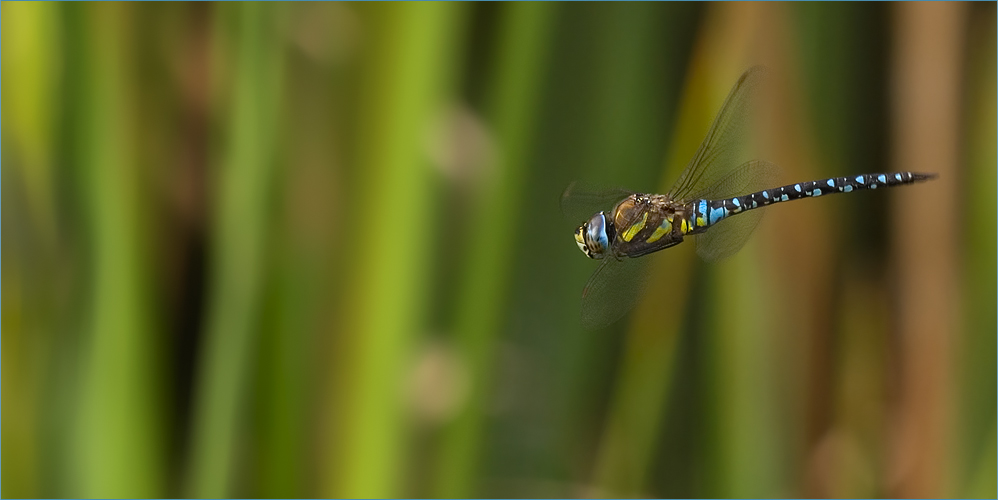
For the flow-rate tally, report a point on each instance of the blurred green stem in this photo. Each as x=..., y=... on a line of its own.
x=237, y=253
x=977, y=394
x=520, y=63
x=747, y=431
x=120, y=429
x=410, y=70
x=30, y=56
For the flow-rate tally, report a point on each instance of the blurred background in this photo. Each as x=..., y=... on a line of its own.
x=315, y=249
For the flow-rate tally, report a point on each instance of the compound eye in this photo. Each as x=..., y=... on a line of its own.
x=596, y=235
x=580, y=239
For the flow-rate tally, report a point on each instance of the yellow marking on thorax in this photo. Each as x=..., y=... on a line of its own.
x=661, y=230
x=684, y=226
x=632, y=231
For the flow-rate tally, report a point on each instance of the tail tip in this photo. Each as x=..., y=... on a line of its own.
x=918, y=177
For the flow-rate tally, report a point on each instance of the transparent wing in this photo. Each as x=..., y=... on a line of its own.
x=581, y=200
x=725, y=145
x=612, y=291
x=615, y=285
x=730, y=235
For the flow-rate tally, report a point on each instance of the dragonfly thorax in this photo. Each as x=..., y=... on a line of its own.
x=595, y=235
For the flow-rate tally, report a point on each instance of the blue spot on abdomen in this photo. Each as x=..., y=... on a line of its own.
x=716, y=214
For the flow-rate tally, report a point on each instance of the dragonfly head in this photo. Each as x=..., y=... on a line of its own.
x=594, y=236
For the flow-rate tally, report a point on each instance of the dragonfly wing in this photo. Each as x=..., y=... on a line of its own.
x=747, y=178
x=581, y=200
x=725, y=145
x=730, y=235
x=727, y=237
x=612, y=291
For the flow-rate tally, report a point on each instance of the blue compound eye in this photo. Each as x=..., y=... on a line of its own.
x=596, y=235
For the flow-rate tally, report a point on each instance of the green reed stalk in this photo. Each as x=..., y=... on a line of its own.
x=742, y=347
x=119, y=432
x=640, y=402
x=409, y=71
x=238, y=251
x=977, y=396
x=512, y=101
x=306, y=249
x=843, y=311
x=30, y=56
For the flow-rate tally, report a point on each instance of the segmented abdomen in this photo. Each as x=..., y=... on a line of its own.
x=710, y=212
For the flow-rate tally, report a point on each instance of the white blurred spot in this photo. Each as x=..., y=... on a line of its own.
x=438, y=384
x=327, y=32
x=461, y=146
x=839, y=466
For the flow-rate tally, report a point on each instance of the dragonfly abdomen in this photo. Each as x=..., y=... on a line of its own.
x=710, y=212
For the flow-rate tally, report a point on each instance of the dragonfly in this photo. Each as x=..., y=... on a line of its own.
x=714, y=202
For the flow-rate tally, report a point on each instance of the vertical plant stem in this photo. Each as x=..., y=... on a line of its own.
x=305, y=247
x=31, y=63
x=520, y=62
x=237, y=252
x=634, y=423
x=844, y=261
x=738, y=340
x=925, y=102
x=749, y=439
x=119, y=448
x=977, y=348
x=411, y=66
x=30, y=57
